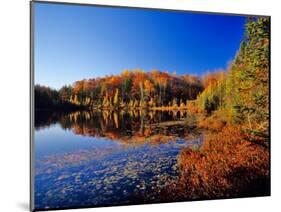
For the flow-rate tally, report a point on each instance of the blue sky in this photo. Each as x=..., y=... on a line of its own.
x=75, y=42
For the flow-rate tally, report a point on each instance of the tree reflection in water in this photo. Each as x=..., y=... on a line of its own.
x=124, y=126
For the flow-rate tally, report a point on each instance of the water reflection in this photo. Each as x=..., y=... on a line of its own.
x=89, y=158
x=121, y=125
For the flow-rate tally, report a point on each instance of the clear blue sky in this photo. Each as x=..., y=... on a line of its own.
x=79, y=42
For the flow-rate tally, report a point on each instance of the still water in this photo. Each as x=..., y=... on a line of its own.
x=108, y=157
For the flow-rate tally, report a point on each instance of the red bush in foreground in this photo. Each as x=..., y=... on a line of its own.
x=226, y=166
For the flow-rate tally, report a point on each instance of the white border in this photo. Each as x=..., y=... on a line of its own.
x=14, y=102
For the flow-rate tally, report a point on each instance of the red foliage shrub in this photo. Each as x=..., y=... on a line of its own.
x=226, y=166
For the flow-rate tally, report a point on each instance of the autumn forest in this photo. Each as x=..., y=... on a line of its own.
x=241, y=92
x=230, y=108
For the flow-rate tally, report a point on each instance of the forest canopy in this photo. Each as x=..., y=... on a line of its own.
x=242, y=93
x=134, y=89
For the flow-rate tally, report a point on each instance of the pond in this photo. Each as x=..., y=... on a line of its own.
x=99, y=158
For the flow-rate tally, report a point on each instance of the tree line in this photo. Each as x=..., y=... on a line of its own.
x=47, y=98
x=130, y=89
